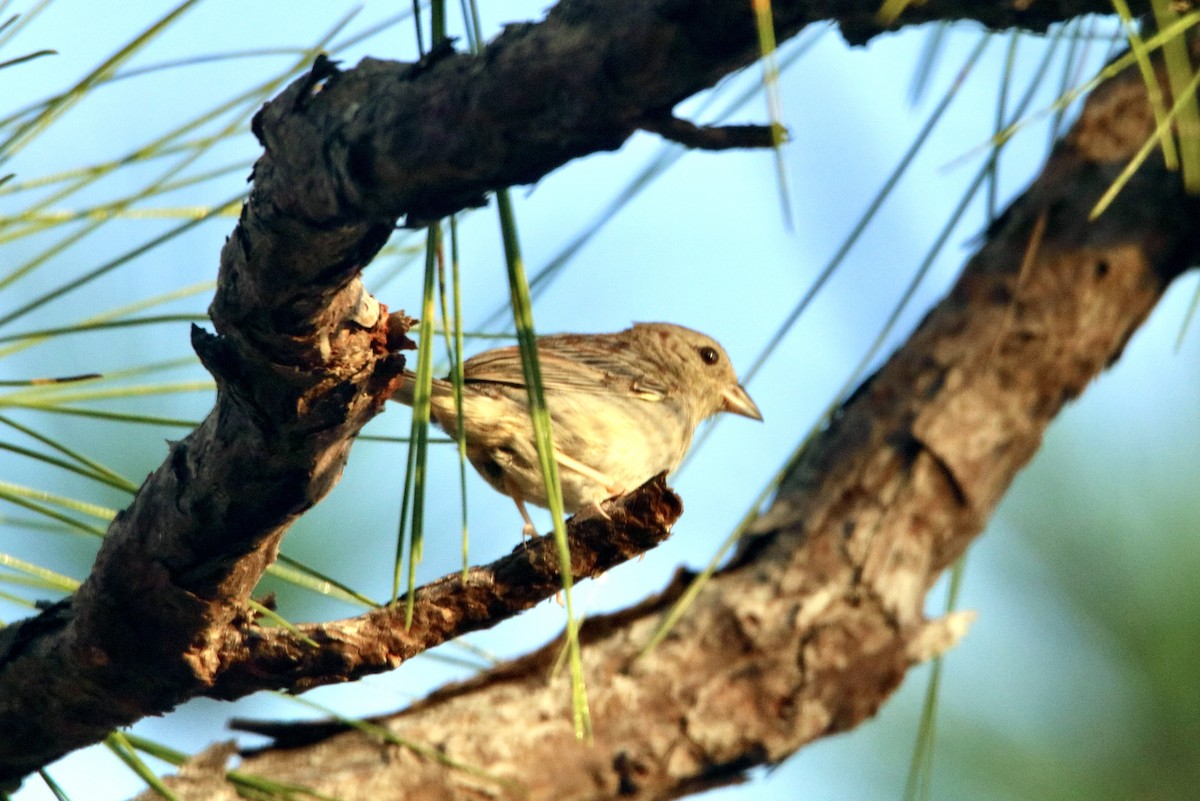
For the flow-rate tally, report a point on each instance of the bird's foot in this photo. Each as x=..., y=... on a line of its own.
x=592, y=510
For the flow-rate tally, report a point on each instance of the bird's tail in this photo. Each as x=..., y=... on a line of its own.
x=404, y=394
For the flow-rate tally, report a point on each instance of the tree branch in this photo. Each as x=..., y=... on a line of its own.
x=261, y=659
x=711, y=137
x=820, y=613
x=303, y=357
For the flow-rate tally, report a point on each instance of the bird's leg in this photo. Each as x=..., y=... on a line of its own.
x=610, y=487
x=528, y=532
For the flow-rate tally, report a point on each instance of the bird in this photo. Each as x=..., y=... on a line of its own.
x=623, y=408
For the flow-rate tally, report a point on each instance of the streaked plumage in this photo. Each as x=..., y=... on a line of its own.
x=624, y=407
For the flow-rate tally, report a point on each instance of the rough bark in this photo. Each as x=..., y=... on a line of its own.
x=819, y=615
x=303, y=357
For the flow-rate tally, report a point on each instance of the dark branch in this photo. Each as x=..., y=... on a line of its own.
x=422, y=141
x=712, y=137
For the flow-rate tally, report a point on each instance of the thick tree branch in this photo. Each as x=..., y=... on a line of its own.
x=422, y=141
x=302, y=355
x=819, y=615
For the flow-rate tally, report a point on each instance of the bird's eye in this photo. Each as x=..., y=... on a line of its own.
x=709, y=355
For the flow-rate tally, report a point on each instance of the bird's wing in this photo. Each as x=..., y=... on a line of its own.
x=575, y=365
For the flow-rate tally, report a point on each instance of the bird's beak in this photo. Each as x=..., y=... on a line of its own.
x=737, y=400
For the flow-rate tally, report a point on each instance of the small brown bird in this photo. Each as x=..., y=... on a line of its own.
x=623, y=408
